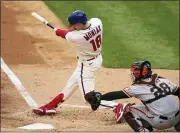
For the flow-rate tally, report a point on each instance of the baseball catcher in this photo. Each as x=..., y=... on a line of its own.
x=159, y=108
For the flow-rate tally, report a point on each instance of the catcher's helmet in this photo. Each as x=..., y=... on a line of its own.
x=77, y=17
x=141, y=69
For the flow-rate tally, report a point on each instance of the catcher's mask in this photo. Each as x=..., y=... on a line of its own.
x=140, y=70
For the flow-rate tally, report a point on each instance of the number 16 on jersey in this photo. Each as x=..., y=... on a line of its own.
x=96, y=43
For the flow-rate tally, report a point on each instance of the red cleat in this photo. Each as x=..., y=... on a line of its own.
x=119, y=111
x=45, y=110
x=50, y=108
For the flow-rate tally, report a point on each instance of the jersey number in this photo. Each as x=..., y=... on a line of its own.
x=162, y=91
x=96, y=43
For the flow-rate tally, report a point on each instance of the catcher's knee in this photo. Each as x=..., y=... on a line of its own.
x=129, y=118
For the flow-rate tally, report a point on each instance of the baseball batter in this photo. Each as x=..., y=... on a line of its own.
x=87, y=36
x=160, y=109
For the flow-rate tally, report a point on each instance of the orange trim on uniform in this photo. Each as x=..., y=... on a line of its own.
x=142, y=112
x=126, y=93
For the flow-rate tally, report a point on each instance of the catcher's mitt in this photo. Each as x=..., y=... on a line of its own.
x=94, y=99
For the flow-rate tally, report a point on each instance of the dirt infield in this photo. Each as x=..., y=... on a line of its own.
x=44, y=62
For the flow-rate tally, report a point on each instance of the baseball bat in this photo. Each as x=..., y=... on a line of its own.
x=43, y=20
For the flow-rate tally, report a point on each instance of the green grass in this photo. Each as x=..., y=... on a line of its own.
x=147, y=30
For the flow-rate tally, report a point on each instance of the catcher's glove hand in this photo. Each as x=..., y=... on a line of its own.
x=94, y=99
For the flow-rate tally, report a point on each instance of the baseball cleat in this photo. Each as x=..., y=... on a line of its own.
x=45, y=110
x=142, y=129
x=50, y=108
x=119, y=111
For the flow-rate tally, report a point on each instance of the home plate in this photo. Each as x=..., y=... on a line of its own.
x=38, y=126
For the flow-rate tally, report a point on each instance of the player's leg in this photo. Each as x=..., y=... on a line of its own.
x=86, y=80
x=71, y=86
x=136, y=125
x=86, y=85
x=49, y=108
x=157, y=122
x=139, y=118
x=87, y=74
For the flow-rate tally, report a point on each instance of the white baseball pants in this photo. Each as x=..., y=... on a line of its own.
x=83, y=77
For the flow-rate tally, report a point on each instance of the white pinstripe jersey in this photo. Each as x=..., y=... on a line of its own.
x=88, y=41
x=163, y=103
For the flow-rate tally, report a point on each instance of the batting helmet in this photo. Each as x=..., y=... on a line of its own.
x=77, y=17
x=141, y=69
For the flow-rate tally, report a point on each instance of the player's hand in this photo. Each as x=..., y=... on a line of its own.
x=94, y=99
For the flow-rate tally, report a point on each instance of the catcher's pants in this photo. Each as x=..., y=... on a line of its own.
x=83, y=78
x=140, y=111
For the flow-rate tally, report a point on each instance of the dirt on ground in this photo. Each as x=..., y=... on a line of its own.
x=44, y=62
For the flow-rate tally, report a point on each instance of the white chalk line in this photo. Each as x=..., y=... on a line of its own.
x=18, y=85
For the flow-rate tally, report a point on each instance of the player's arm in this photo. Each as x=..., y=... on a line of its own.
x=62, y=33
x=114, y=95
x=94, y=98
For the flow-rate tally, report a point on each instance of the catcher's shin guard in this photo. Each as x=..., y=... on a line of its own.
x=129, y=118
x=146, y=124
